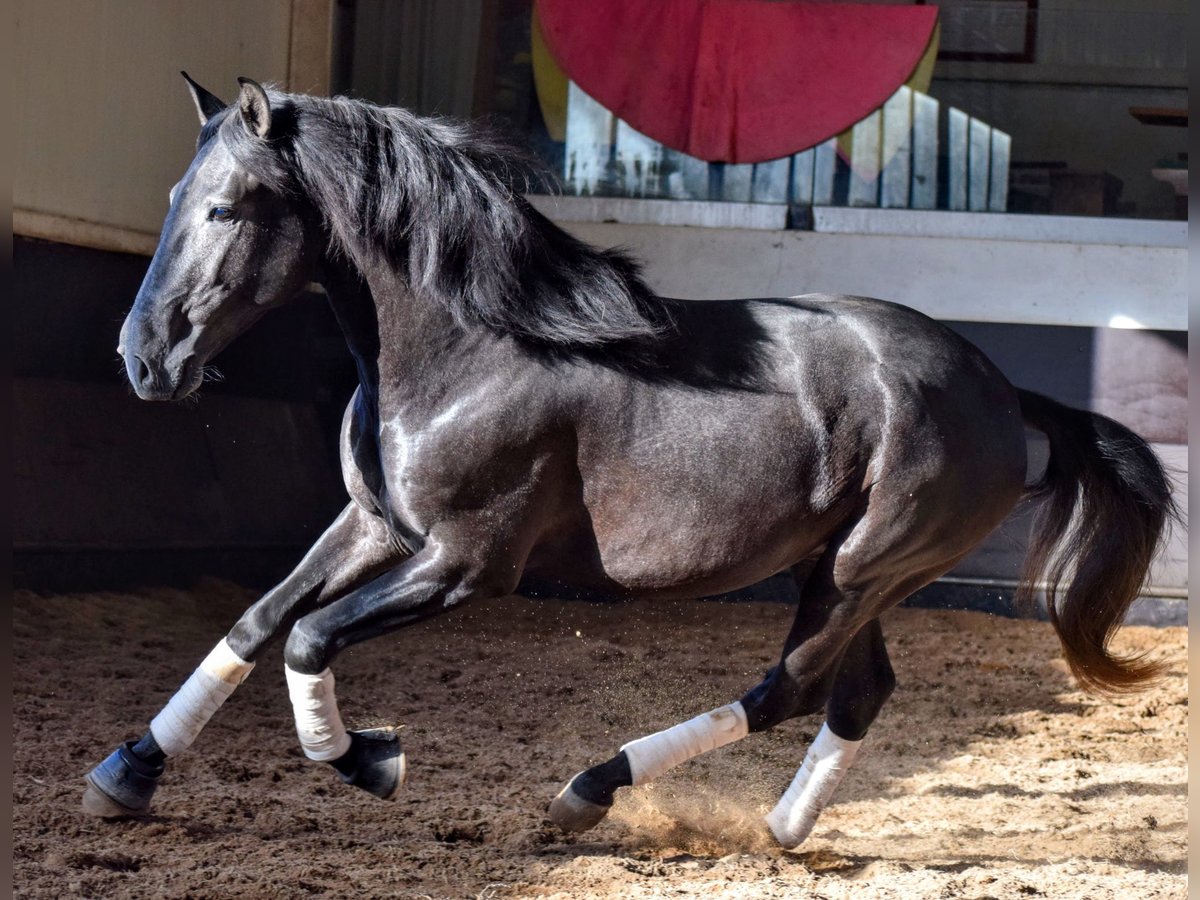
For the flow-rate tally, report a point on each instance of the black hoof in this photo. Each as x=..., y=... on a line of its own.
x=572, y=812
x=122, y=785
x=375, y=762
x=588, y=796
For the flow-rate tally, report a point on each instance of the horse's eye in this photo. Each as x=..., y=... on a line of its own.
x=220, y=213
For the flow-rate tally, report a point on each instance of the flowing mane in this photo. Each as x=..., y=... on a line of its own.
x=436, y=198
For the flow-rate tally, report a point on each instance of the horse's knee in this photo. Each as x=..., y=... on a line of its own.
x=308, y=648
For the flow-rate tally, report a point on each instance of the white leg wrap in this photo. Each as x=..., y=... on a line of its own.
x=181, y=720
x=811, y=790
x=653, y=755
x=318, y=723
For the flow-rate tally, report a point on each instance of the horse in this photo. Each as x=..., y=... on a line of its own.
x=531, y=417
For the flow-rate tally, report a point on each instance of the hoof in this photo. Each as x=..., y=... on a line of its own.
x=571, y=812
x=375, y=762
x=787, y=840
x=121, y=786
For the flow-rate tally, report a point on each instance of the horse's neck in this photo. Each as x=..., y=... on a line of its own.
x=353, y=306
x=399, y=343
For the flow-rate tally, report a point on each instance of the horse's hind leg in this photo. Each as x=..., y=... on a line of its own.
x=352, y=550
x=850, y=586
x=881, y=561
x=821, y=630
x=862, y=686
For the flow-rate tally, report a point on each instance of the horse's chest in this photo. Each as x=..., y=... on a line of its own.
x=416, y=467
x=383, y=464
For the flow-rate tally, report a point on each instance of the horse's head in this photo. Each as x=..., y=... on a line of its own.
x=231, y=248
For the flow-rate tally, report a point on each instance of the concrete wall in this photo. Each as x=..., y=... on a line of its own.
x=110, y=490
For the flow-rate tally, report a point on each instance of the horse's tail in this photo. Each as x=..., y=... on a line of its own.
x=1106, y=502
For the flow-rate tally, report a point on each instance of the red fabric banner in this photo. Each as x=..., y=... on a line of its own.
x=737, y=80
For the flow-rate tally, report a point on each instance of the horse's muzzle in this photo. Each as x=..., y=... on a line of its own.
x=157, y=383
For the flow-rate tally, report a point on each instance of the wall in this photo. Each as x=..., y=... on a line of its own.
x=110, y=490
x=1045, y=282
x=107, y=126
x=107, y=489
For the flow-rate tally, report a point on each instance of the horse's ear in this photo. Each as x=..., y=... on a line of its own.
x=207, y=105
x=255, y=108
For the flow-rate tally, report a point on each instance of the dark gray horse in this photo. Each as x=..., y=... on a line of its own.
x=530, y=416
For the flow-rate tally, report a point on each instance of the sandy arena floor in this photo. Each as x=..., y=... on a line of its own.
x=988, y=775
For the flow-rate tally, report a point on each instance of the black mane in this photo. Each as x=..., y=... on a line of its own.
x=436, y=198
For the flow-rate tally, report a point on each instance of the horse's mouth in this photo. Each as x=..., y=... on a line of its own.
x=191, y=376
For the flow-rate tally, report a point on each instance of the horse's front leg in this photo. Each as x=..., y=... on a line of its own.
x=435, y=579
x=351, y=551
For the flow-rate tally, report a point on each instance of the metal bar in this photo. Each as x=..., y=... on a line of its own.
x=638, y=163
x=736, y=181
x=684, y=177
x=802, y=177
x=824, y=167
x=771, y=181
x=864, y=161
x=924, y=152
x=998, y=188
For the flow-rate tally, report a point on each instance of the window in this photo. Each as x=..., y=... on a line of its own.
x=1072, y=107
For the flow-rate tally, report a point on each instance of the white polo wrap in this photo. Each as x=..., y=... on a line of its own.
x=318, y=723
x=185, y=715
x=653, y=755
x=811, y=790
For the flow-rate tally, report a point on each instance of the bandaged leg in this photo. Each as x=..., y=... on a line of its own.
x=124, y=783
x=319, y=725
x=811, y=790
x=585, y=799
x=186, y=714
x=651, y=756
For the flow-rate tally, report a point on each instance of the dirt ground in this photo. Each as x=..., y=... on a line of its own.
x=988, y=775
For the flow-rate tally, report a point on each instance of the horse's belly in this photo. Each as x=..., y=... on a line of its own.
x=665, y=539
x=664, y=526
x=659, y=552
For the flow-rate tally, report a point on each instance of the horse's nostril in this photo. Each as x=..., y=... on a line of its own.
x=140, y=371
